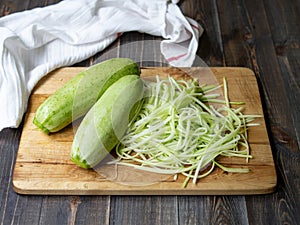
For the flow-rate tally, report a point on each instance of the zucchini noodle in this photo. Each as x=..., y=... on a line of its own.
x=178, y=132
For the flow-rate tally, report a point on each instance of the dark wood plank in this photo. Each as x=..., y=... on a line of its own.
x=283, y=20
x=213, y=210
x=135, y=210
x=91, y=210
x=235, y=33
x=9, y=140
x=23, y=211
x=205, y=12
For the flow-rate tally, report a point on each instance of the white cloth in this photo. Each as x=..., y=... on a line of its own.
x=37, y=41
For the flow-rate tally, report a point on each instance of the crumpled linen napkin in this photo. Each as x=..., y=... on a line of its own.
x=37, y=41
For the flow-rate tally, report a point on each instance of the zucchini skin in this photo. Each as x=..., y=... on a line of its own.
x=107, y=121
x=78, y=95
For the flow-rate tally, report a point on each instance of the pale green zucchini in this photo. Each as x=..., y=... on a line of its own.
x=107, y=121
x=77, y=96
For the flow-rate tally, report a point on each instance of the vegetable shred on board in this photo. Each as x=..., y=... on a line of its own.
x=184, y=128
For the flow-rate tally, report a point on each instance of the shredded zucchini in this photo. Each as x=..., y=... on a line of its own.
x=178, y=131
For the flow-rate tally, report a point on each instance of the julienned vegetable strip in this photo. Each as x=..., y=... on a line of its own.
x=179, y=131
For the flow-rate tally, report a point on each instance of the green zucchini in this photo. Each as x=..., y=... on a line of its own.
x=77, y=96
x=107, y=121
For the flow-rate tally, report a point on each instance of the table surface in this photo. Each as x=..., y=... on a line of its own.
x=261, y=35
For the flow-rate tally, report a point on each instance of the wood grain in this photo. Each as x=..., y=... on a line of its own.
x=43, y=163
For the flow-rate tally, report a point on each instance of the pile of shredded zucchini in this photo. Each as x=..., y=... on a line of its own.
x=178, y=131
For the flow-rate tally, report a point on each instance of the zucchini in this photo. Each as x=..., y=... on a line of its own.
x=107, y=121
x=78, y=95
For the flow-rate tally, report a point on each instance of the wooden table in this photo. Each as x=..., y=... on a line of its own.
x=261, y=35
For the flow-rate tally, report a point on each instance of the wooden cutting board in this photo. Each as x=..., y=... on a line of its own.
x=43, y=163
